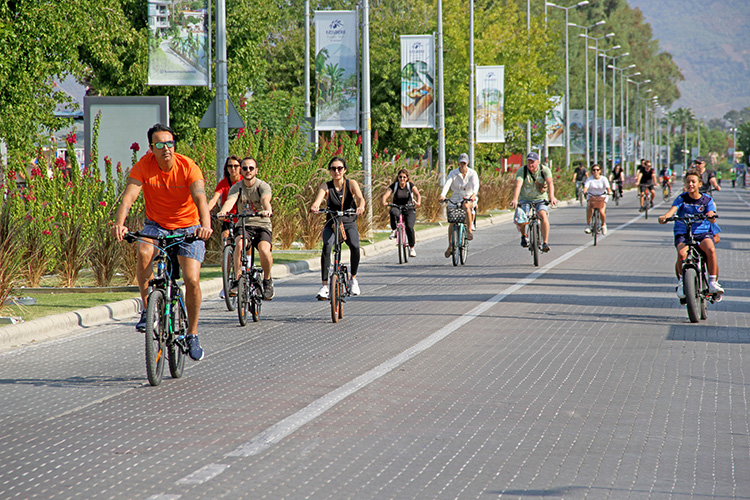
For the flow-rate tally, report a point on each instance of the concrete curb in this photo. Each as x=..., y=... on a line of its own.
x=57, y=325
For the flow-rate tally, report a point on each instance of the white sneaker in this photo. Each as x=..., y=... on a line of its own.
x=412, y=252
x=323, y=293
x=680, y=291
x=587, y=230
x=715, y=287
x=604, y=229
x=355, y=287
x=392, y=235
x=221, y=294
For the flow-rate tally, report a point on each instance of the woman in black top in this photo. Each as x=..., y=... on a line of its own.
x=404, y=194
x=339, y=189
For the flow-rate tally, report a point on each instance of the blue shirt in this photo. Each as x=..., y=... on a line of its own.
x=688, y=206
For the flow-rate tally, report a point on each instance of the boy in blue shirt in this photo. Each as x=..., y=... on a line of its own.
x=689, y=203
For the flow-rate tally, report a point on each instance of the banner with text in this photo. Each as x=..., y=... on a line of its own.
x=417, y=81
x=577, y=132
x=555, y=123
x=177, y=43
x=490, y=93
x=336, y=70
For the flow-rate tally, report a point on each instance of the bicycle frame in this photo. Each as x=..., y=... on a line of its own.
x=339, y=275
x=249, y=293
x=459, y=231
x=402, y=240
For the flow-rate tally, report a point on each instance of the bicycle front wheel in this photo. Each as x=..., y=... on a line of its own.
x=155, y=337
x=227, y=275
x=692, y=293
x=334, y=293
x=256, y=301
x=243, y=300
x=402, y=254
x=464, y=248
x=455, y=243
x=534, y=242
x=595, y=225
x=174, y=347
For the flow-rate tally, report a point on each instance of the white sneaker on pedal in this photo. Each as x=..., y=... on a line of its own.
x=715, y=287
x=587, y=230
x=680, y=291
x=221, y=294
x=392, y=235
x=323, y=293
x=355, y=288
x=412, y=252
x=604, y=229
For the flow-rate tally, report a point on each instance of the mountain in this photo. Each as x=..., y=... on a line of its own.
x=710, y=42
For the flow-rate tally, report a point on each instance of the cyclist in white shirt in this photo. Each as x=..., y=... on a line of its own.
x=464, y=182
x=596, y=188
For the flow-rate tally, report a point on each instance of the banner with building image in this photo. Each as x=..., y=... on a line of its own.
x=177, y=42
x=336, y=70
x=555, y=123
x=490, y=103
x=417, y=81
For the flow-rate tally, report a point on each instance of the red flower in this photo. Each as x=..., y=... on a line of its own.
x=257, y=131
x=103, y=203
x=135, y=147
x=241, y=132
x=119, y=167
x=47, y=232
x=339, y=150
x=60, y=163
x=377, y=155
x=70, y=184
x=358, y=141
x=71, y=138
x=12, y=175
x=64, y=214
x=243, y=103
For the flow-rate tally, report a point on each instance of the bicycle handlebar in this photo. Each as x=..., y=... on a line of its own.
x=693, y=217
x=132, y=236
x=337, y=213
x=239, y=216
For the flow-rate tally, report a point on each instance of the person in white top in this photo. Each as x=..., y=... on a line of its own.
x=464, y=182
x=596, y=188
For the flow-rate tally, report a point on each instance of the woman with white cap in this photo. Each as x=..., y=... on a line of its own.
x=464, y=182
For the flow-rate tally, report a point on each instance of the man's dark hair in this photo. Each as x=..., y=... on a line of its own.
x=159, y=127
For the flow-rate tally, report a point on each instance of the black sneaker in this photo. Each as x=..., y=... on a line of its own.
x=268, y=292
x=141, y=325
x=524, y=242
x=194, y=347
x=545, y=247
x=233, y=290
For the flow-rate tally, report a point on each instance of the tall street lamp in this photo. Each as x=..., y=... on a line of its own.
x=627, y=114
x=637, y=113
x=603, y=52
x=567, y=77
x=586, y=33
x=596, y=89
x=623, y=130
x=614, y=87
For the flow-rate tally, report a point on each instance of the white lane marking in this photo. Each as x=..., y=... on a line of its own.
x=163, y=497
x=741, y=198
x=203, y=474
x=287, y=426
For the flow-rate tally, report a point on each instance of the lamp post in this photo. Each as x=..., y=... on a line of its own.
x=596, y=88
x=627, y=114
x=586, y=33
x=637, y=112
x=567, y=77
x=614, y=87
x=623, y=129
x=603, y=53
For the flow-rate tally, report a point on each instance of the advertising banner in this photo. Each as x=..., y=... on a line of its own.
x=336, y=70
x=177, y=43
x=490, y=93
x=417, y=81
x=577, y=132
x=556, y=123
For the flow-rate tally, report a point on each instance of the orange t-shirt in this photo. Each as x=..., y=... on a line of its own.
x=167, y=194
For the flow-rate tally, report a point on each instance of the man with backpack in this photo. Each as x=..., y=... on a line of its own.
x=534, y=185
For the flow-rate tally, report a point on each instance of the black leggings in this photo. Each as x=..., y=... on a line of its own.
x=410, y=218
x=329, y=238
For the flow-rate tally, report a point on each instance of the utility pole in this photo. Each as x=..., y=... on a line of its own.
x=222, y=96
x=366, y=119
x=441, y=96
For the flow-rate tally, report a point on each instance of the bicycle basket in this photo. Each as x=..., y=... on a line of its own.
x=456, y=215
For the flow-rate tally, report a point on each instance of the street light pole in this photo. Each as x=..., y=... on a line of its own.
x=586, y=34
x=603, y=55
x=614, y=87
x=567, y=78
x=596, y=89
x=472, y=120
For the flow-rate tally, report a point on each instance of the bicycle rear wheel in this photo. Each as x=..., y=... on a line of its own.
x=665, y=193
x=227, y=275
x=403, y=254
x=455, y=243
x=243, y=299
x=256, y=302
x=334, y=297
x=464, y=248
x=534, y=242
x=155, y=337
x=692, y=294
x=174, y=346
x=616, y=196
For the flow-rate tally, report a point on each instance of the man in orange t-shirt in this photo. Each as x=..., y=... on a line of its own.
x=175, y=198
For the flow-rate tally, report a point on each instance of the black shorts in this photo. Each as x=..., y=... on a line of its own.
x=645, y=187
x=255, y=234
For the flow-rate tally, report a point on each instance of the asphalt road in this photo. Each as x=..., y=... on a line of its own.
x=578, y=379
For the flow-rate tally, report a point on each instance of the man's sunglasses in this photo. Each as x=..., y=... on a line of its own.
x=160, y=145
x=248, y=169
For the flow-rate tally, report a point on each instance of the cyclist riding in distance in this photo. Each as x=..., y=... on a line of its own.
x=252, y=196
x=692, y=202
x=340, y=194
x=596, y=188
x=665, y=174
x=708, y=177
x=175, y=200
x=464, y=183
x=405, y=193
x=579, y=177
x=534, y=185
x=617, y=178
x=645, y=179
x=232, y=175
